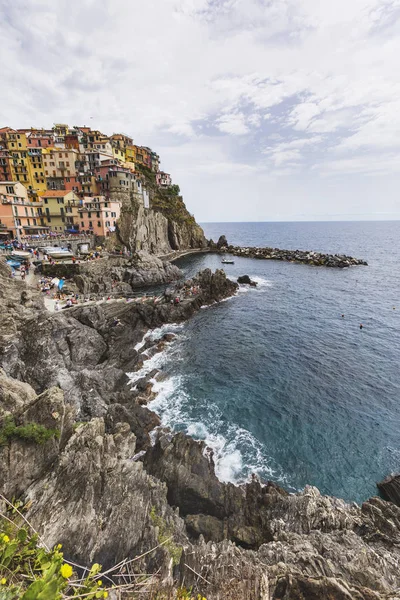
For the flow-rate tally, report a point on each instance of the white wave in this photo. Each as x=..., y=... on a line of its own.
x=158, y=332
x=158, y=360
x=237, y=453
x=261, y=282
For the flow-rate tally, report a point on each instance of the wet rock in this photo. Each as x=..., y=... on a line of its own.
x=300, y=256
x=246, y=280
x=222, y=242
x=390, y=488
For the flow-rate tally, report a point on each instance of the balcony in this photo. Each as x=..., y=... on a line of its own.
x=20, y=202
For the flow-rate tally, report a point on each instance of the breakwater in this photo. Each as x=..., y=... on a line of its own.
x=300, y=256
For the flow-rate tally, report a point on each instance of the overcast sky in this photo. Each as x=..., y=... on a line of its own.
x=260, y=109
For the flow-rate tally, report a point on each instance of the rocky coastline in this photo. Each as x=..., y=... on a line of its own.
x=307, y=257
x=113, y=485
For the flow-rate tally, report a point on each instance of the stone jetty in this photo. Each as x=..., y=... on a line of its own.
x=299, y=256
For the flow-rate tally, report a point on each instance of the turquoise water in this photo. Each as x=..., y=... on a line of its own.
x=276, y=381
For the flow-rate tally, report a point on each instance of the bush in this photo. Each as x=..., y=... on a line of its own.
x=30, y=432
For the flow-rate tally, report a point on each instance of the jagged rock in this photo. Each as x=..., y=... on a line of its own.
x=390, y=488
x=99, y=503
x=222, y=242
x=120, y=276
x=23, y=461
x=141, y=421
x=246, y=279
x=155, y=233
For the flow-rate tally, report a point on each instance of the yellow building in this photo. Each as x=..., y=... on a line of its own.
x=118, y=153
x=130, y=154
x=26, y=163
x=59, y=208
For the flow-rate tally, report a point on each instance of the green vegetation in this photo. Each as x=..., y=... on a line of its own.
x=29, y=571
x=171, y=205
x=30, y=432
x=184, y=594
x=167, y=201
x=165, y=536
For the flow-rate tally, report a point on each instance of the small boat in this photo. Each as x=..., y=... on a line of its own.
x=60, y=255
x=57, y=253
x=20, y=254
x=228, y=261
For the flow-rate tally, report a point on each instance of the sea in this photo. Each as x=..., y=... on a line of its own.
x=275, y=380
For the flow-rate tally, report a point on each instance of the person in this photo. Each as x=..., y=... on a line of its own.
x=22, y=271
x=69, y=304
x=57, y=306
x=361, y=325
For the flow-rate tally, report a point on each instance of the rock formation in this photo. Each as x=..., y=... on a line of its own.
x=316, y=259
x=164, y=227
x=75, y=445
x=390, y=488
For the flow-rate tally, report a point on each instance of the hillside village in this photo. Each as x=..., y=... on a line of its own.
x=72, y=180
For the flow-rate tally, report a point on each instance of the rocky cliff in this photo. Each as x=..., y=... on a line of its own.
x=78, y=446
x=166, y=225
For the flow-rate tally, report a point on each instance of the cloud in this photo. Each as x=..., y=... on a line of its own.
x=287, y=93
x=232, y=123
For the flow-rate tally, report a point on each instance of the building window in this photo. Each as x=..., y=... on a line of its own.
x=29, y=222
x=113, y=214
x=26, y=211
x=89, y=215
x=98, y=224
x=90, y=224
x=98, y=215
x=82, y=224
x=46, y=201
x=10, y=189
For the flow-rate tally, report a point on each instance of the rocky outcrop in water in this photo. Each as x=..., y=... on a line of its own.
x=300, y=256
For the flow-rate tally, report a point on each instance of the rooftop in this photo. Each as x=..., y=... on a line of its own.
x=55, y=193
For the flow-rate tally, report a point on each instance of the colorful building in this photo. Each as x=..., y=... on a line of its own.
x=60, y=162
x=99, y=215
x=163, y=179
x=19, y=216
x=5, y=165
x=58, y=208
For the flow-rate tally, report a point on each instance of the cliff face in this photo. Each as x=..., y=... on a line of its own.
x=164, y=227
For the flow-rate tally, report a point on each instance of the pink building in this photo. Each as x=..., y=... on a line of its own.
x=99, y=215
x=163, y=179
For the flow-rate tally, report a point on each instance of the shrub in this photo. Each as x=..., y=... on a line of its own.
x=30, y=432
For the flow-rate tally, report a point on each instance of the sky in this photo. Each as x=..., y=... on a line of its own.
x=260, y=109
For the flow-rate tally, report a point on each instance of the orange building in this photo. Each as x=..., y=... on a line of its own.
x=18, y=215
x=99, y=215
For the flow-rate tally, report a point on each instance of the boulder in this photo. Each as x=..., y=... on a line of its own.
x=246, y=280
x=222, y=242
